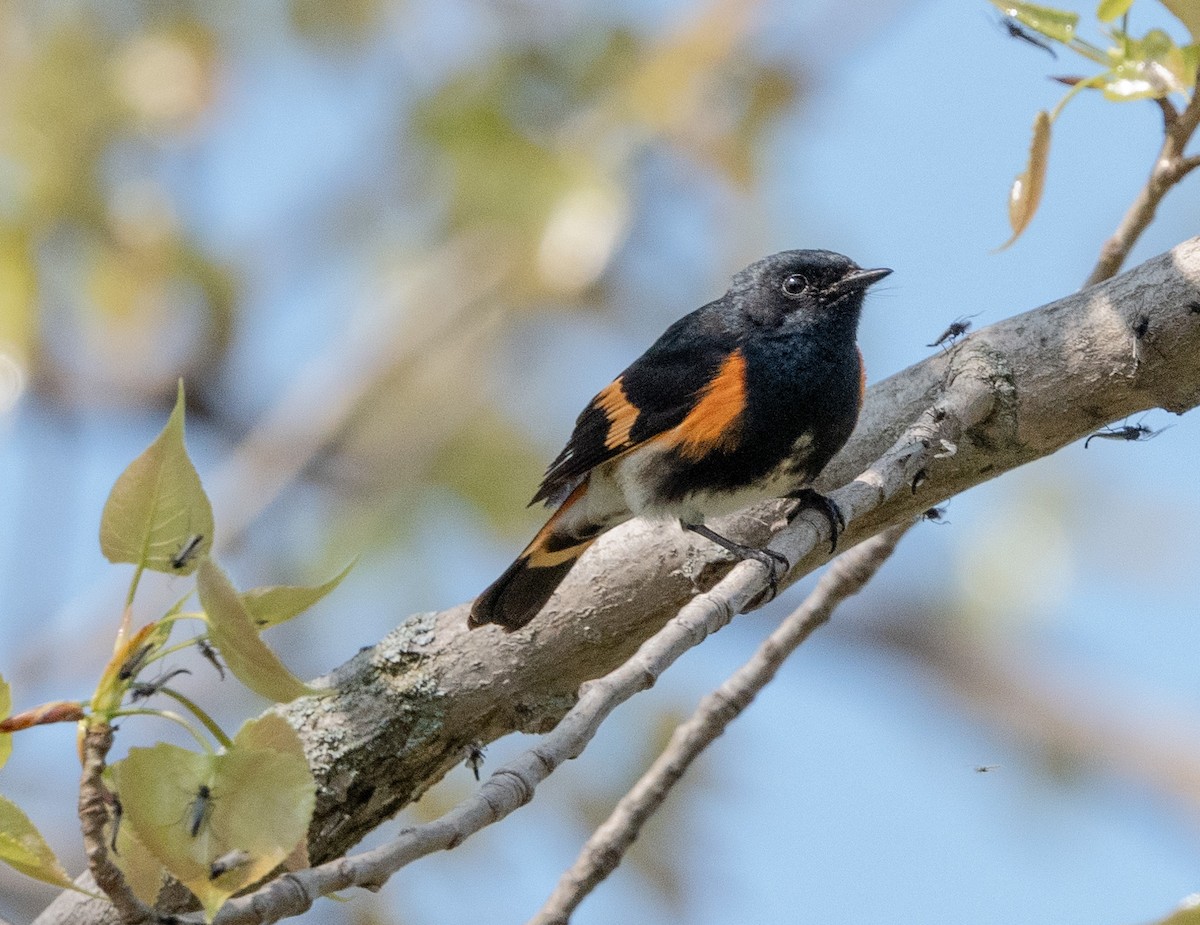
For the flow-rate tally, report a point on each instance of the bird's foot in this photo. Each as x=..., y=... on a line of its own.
x=811, y=499
x=768, y=557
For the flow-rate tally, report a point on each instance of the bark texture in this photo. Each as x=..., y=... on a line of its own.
x=406, y=709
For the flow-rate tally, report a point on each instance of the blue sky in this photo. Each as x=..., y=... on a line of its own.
x=847, y=793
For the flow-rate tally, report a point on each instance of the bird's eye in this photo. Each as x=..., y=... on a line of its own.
x=794, y=284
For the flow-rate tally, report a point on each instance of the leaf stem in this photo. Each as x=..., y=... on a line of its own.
x=197, y=711
x=173, y=717
x=137, y=577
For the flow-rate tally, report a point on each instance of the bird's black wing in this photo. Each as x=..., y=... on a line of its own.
x=687, y=390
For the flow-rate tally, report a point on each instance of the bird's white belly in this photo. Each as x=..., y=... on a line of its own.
x=636, y=480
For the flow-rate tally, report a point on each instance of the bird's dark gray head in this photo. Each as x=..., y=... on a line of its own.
x=804, y=287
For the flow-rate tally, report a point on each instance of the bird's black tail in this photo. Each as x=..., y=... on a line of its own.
x=517, y=596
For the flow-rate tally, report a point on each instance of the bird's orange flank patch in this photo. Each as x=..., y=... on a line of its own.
x=715, y=423
x=620, y=413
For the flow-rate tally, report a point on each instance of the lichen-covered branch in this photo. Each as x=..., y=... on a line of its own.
x=966, y=402
x=407, y=708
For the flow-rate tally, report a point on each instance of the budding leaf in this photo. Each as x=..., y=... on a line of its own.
x=1026, y=192
x=1152, y=67
x=158, y=506
x=234, y=633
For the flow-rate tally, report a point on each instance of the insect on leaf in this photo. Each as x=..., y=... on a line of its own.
x=22, y=847
x=1049, y=21
x=258, y=802
x=1026, y=192
x=158, y=506
x=279, y=603
x=141, y=868
x=234, y=633
x=129, y=657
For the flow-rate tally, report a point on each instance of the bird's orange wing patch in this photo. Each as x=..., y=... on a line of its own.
x=620, y=413
x=551, y=547
x=714, y=424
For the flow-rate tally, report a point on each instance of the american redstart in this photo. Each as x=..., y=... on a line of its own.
x=745, y=399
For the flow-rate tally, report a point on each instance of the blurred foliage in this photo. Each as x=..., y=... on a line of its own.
x=111, y=287
x=534, y=135
x=91, y=106
x=345, y=21
x=542, y=142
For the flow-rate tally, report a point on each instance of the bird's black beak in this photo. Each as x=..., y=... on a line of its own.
x=861, y=279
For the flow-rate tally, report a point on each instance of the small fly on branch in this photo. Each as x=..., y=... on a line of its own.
x=1128, y=432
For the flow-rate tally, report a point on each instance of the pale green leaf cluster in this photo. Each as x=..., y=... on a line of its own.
x=1153, y=66
x=247, y=807
x=216, y=820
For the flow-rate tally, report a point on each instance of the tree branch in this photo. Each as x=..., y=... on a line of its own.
x=405, y=709
x=93, y=815
x=608, y=844
x=1170, y=167
x=512, y=785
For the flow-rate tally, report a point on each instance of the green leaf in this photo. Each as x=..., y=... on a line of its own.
x=1053, y=23
x=1112, y=9
x=1188, y=13
x=1149, y=68
x=22, y=847
x=158, y=506
x=190, y=809
x=279, y=603
x=1026, y=192
x=5, y=712
x=271, y=732
x=234, y=633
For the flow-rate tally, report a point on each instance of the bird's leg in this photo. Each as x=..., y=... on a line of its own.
x=768, y=557
x=810, y=498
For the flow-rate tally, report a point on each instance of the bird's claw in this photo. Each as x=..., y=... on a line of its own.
x=810, y=498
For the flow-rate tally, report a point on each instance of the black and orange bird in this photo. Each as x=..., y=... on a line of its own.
x=745, y=399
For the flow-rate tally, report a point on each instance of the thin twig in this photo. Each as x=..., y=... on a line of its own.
x=390, y=339
x=93, y=815
x=967, y=401
x=1169, y=113
x=608, y=844
x=1170, y=167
